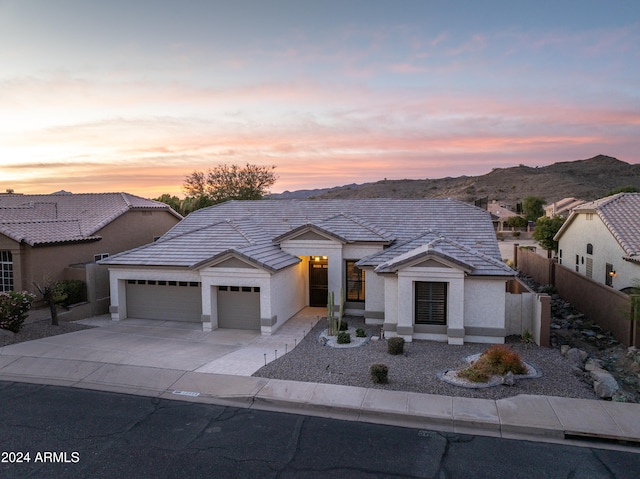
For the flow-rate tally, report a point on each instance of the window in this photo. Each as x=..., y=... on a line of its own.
x=6, y=271
x=589, y=248
x=589, y=268
x=99, y=256
x=430, y=303
x=355, y=282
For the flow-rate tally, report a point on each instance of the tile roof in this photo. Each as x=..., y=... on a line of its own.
x=249, y=228
x=65, y=217
x=621, y=214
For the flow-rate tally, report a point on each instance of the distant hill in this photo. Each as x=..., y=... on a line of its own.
x=584, y=179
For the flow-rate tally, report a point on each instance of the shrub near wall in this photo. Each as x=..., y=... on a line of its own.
x=14, y=307
x=75, y=291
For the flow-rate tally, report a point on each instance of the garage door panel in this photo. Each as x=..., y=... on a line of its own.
x=164, y=302
x=239, y=308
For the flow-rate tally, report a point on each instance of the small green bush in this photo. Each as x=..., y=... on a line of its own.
x=344, y=338
x=344, y=326
x=361, y=333
x=395, y=345
x=74, y=291
x=379, y=373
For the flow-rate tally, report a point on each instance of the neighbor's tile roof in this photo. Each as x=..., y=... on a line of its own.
x=621, y=214
x=251, y=229
x=65, y=217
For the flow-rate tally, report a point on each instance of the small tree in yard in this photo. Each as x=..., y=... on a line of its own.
x=53, y=293
x=545, y=230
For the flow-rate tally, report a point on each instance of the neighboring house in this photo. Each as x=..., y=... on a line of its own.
x=500, y=214
x=601, y=240
x=562, y=207
x=44, y=237
x=426, y=269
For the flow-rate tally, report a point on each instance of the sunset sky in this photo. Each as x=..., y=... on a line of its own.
x=130, y=95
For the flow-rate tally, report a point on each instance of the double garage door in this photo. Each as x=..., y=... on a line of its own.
x=167, y=300
x=238, y=307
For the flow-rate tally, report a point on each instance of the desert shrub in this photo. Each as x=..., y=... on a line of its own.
x=74, y=291
x=527, y=338
x=379, y=373
x=502, y=359
x=344, y=326
x=474, y=374
x=344, y=338
x=361, y=333
x=14, y=307
x=395, y=345
x=498, y=359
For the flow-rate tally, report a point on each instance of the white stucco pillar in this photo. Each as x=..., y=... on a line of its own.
x=206, y=292
x=118, y=307
x=455, y=313
x=390, y=304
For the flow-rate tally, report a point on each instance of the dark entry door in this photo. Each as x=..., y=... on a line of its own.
x=318, y=283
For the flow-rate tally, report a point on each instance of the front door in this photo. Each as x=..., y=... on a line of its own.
x=318, y=283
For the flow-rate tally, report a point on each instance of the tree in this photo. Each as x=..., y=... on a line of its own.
x=532, y=206
x=546, y=229
x=230, y=182
x=516, y=222
x=172, y=201
x=53, y=293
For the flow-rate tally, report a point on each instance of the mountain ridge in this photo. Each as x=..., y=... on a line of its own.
x=587, y=179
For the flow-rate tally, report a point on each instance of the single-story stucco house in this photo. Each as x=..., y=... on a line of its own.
x=43, y=236
x=424, y=269
x=601, y=240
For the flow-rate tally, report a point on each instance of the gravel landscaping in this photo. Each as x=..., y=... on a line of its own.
x=416, y=370
x=38, y=326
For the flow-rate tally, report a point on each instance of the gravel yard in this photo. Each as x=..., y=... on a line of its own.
x=416, y=370
x=37, y=326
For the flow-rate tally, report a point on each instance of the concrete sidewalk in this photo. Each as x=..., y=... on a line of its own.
x=538, y=418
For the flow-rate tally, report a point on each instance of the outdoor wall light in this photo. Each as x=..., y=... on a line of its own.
x=612, y=273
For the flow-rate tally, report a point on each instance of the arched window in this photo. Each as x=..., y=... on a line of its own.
x=589, y=248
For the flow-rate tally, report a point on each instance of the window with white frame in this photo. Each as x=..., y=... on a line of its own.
x=6, y=271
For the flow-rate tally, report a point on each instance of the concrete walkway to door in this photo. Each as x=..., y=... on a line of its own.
x=168, y=345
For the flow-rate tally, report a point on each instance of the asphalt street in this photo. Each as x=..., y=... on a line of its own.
x=52, y=432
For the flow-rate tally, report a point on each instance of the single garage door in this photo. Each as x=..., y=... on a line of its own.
x=239, y=307
x=167, y=300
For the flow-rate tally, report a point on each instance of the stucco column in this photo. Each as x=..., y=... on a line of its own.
x=118, y=307
x=334, y=263
x=455, y=316
x=205, y=291
x=405, y=307
x=390, y=303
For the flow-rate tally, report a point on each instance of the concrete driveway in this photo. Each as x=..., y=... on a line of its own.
x=170, y=345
